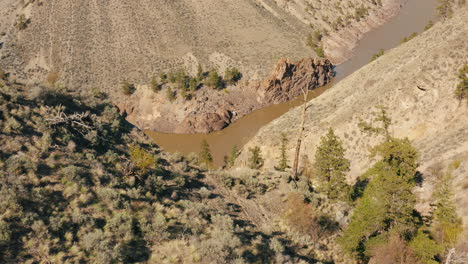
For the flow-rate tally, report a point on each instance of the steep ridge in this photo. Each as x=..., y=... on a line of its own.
x=141, y=39
x=416, y=82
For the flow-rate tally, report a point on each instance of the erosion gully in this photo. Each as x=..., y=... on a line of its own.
x=413, y=17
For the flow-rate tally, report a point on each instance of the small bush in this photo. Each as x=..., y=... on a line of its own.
x=22, y=22
x=127, y=88
x=232, y=75
x=214, y=80
x=142, y=159
x=155, y=85
x=52, y=78
x=461, y=92
x=377, y=55
x=170, y=94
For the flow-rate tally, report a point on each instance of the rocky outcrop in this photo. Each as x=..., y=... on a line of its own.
x=212, y=110
x=288, y=79
x=205, y=122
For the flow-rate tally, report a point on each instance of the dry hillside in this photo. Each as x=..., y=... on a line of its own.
x=111, y=41
x=416, y=82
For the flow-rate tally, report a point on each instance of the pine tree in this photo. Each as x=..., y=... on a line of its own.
x=205, y=153
x=447, y=224
x=255, y=160
x=283, y=160
x=231, y=159
x=388, y=203
x=214, y=80
x=193, y=84
x=332, y=166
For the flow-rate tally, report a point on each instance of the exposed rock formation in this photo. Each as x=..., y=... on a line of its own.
x=211, y=110
x=287, y=80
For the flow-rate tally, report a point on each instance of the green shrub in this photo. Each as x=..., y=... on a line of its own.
x=377, y=55
x=461, y=92
x=155, y=85
x=22, y=22
x=127, y=88
x=171, y=95
x=142, y=159
x=232, y=75
x=214, y=80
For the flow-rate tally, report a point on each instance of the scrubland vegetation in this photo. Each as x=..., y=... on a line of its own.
x=79, y=184
x=181, y=83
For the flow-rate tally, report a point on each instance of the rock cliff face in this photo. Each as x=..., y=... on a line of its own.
x=288, y=79
x=211, y=110
x=416, y=82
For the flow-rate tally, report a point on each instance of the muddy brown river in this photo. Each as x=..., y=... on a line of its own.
x=413, y=17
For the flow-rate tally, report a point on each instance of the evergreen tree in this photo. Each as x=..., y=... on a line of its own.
x=193, y=84
x=332, y=166
x=232, y=75
x=386, y=209
x=387, y=203
x=255, y=160
x=231, y=159
x=283, y=160
x=447, y=224
x=205, y=153
x=214, y=80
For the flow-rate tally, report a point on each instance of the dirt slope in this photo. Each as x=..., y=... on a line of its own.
x=116, y=40
x=429, y=116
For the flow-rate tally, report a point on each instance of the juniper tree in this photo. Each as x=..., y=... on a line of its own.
x=255, y=159
x=332, y=166
x=283, y=160
x=205, y=153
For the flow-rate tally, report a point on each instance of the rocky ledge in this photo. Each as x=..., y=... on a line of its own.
x=211, y=110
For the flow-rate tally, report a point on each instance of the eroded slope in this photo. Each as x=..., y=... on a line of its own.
x=416, y=82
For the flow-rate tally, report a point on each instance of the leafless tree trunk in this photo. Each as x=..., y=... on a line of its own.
x=300, y=134
x=449, y=256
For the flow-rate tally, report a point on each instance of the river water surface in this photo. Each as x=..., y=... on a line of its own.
x=413, y=17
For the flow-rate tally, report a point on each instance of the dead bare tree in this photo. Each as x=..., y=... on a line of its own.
x=305, y=93
x=75, y=121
